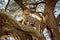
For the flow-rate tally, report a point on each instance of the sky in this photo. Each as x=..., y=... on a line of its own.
x=57, y=9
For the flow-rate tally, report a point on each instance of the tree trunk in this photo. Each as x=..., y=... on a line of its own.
x=50, y=19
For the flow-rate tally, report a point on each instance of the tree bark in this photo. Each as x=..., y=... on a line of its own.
x=50, y=19
x=7, y=19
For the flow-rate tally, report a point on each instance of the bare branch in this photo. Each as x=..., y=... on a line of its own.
x=7, y=5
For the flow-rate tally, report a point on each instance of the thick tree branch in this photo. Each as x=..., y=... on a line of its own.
x=5, y=18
